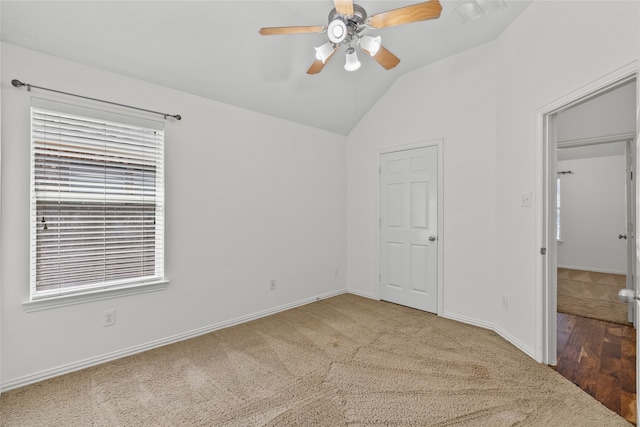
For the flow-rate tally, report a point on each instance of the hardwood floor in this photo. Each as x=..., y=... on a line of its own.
x=600, y=358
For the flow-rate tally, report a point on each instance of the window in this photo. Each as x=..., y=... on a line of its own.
x=97, y=202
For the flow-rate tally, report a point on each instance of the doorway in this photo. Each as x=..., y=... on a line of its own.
x=604, y=140
x=595, y=220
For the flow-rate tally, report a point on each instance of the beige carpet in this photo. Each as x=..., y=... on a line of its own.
x=591, y=294
x=341, y=361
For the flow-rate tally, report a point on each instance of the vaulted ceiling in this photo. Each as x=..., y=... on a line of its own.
x=212, y=49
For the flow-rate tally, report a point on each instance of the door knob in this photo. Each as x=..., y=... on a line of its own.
x=622, y=236
x=432, y=238
x=627, y=295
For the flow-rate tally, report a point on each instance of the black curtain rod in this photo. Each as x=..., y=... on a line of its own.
x=18, y=83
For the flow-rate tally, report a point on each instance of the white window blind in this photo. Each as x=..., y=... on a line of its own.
x=97, y=204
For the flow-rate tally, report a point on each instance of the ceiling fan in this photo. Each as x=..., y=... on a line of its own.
x=347, y=25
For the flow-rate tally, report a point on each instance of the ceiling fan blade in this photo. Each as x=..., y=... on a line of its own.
x=344, y=7
x=385, y=58
x=270, y=31
x=405, y=15
x=318, y=65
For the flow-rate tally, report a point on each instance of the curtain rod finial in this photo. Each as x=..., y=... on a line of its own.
x=178, y=117
x=17, y=83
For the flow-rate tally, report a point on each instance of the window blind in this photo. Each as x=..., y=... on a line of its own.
x=97, y=203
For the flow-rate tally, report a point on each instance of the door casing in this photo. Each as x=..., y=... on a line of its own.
x=546, y=160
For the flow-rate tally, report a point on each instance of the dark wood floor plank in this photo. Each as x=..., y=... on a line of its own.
x=565, y=326
x=569, y=357
x=628, y=407
x=600, y=358
x=608, y=392
x=589, y=363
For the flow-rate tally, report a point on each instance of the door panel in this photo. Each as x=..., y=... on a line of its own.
x=394, y=264
x=395, y=199
x=419, y=268
x=408, y=211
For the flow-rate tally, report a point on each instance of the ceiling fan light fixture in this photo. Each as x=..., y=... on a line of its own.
x=337, y=31
x=348, y=21
x=370, y=44
x=324, y=52
x=352, y=62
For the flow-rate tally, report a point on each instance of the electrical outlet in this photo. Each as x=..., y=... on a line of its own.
x=505, y=301
x=525, y=200
x=109, y=318
x=336, y=272
x=272, y=284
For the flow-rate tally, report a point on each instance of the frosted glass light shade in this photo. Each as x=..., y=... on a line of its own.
x=352, y=63
x=371, y=44
x=324, y=52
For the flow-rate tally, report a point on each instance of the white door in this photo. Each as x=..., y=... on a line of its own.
x=637, y=250
x=408, y=228
x=630, y=229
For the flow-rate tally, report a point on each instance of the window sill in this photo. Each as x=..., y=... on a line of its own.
x=96, y=295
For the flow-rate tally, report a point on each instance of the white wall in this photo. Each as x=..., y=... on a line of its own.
x=453, y=99
x=612, y=113
x=248, y=198
x=593, y=214
x=554, y=48
x=484, y=104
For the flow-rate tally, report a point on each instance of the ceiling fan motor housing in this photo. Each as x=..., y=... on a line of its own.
x=342, y=26
x=337, y=31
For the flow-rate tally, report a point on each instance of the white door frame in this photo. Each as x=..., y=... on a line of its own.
x=546, y=156
x=439, y=143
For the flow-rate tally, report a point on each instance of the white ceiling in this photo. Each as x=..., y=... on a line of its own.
x=213, y=49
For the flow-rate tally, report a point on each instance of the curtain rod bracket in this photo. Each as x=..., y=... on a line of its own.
x=18, y=83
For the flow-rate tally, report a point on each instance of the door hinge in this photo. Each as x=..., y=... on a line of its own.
x=379, y=223
x=379, y=170
x=543, y=251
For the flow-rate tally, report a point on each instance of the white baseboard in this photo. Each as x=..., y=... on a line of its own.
x=92, y=361
x=363, y=294
x=492, y=327
x=516, y=342
x=595, y=270
x=468, y=320
x=82, y=364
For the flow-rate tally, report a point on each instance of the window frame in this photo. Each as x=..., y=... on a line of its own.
x=39, y=300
